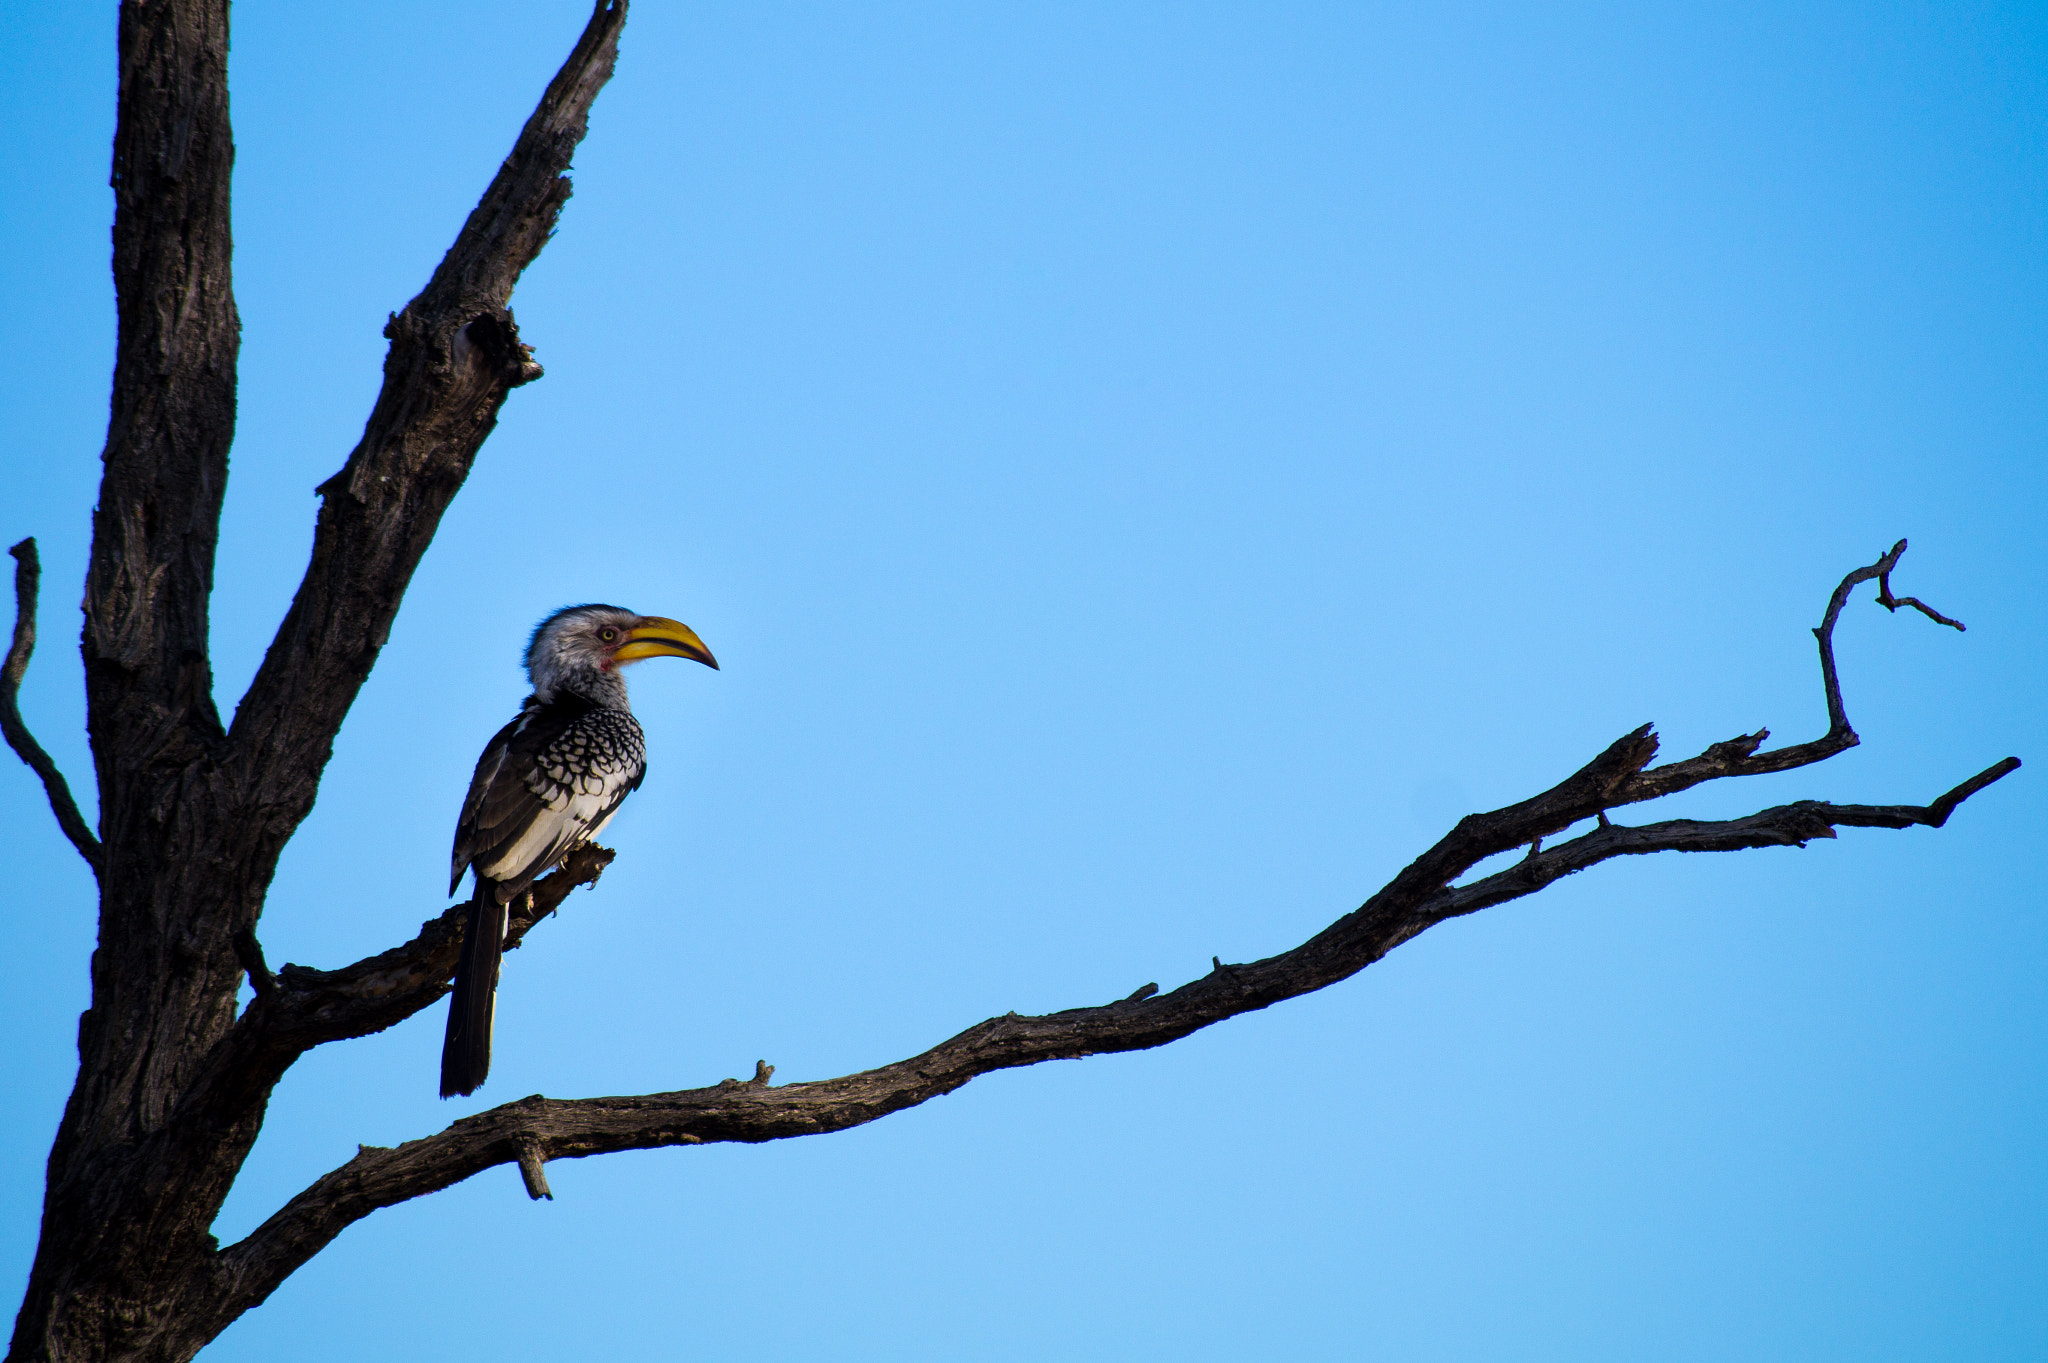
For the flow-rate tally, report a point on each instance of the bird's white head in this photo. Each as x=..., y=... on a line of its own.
x=580, y=649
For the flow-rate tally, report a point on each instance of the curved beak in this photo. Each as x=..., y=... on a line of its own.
x=657, y=636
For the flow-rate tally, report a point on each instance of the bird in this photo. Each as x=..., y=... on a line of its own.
x=546, y=784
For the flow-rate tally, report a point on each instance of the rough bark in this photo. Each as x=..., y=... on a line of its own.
x=172, y=1084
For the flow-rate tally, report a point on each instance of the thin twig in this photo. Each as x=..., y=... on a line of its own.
x=28, y=573
x=1740, y=756
x=1892, y=603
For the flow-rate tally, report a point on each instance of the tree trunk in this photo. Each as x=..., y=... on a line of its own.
x=178, y=876
x=193, y=817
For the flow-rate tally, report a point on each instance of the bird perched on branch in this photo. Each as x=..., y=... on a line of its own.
x=548, y=783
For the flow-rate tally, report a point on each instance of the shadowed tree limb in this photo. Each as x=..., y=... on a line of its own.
x=28, y=573
x=533, y=1130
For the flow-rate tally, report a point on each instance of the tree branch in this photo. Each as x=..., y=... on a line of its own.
x=28, y=573
x=1792, y=825
x=298, y=1008
x=313, y=1007
x=536, y=1129
x=455, y=355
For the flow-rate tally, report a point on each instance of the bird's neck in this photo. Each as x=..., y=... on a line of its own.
x=599, y=690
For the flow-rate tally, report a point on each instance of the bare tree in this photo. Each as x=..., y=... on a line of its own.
x=173, y=1081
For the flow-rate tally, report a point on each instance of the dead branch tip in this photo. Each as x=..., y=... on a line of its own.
x=1938, y=812
x=28, y=576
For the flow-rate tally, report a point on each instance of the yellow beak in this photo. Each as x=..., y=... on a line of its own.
x=657, y=636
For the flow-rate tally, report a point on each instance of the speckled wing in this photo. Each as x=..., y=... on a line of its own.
x=548, y=782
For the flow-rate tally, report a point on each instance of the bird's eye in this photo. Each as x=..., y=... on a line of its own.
x=607, y=634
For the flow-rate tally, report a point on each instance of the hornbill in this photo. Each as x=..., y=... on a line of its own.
x=548, y=783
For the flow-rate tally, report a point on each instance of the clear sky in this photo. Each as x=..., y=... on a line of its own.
x=1146, y=469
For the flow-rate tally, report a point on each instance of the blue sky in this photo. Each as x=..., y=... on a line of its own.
x=1146, y=471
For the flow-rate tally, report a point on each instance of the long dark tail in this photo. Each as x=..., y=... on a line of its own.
x=466, y=1053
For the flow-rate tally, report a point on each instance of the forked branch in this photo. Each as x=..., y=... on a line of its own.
x=1892, y=603
x=1792, y=825
x=28, y=575
x=1738, y=756
x=534, y=1130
